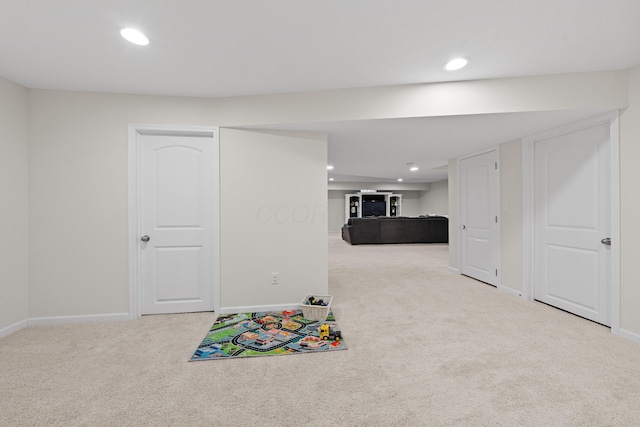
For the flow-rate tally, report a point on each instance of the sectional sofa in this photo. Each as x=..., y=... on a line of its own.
x=383, y=230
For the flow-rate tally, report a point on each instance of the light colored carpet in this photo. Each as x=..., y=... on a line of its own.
x=426, y=348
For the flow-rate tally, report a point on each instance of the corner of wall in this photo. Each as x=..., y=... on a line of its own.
x=511, y=215
x=14, y=222
x=630, y=209
x=454, y=212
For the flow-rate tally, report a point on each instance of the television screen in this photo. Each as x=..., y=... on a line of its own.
x=374, y=208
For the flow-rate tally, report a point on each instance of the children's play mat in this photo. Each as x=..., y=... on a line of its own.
x=268, y=333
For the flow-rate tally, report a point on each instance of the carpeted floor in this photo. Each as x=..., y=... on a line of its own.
x=426, y=348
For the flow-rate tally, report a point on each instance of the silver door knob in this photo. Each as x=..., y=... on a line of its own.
x=462, y=227
x=606, y=241
x=145, y=238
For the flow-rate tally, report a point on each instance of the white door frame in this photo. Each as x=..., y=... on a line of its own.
x=135, y=132
x=495, y=148
x=528, y=206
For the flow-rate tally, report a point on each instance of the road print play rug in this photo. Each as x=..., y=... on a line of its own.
x=266, y=334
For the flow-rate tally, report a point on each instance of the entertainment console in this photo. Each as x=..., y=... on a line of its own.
x=368, y=204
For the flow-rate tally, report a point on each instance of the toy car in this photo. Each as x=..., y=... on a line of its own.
x=311, y=342
x=264, y=339
x=329, y=333
x=247, y=336
x=313, y=301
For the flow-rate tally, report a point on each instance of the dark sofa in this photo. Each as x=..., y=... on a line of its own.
x=382, y=230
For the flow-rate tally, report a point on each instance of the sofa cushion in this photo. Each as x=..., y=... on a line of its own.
x=438, y=229
x=404, y=230
x=363, y=231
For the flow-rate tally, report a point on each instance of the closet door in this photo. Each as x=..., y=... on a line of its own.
x=479, y=232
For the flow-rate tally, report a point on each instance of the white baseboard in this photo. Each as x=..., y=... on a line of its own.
x=92, y=318
x=631, y=336
x=509, y=291
x=259, y=308
x=5, y=332
x=454, y=270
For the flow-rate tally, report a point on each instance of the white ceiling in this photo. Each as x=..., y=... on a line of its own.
x=214, y=48
x=379, y=150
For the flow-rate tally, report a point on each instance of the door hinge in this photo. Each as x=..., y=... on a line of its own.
x=496, y=272
x=496, y=163
x=496, y=219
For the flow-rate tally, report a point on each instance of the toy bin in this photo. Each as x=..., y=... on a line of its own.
x=316, y=312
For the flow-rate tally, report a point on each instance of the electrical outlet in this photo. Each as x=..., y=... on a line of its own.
x=275, y=279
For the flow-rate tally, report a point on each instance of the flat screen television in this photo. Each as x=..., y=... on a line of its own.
x=374, y=205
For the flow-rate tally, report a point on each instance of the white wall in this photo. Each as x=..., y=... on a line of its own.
x=454, y=215
x=436, y=200
x=275, y=221
x=602, y=90
x=14, y=231
x=337, y=209
x=630, y=208
x=78, y=202
x=411, y=203
x=78, y=195
x=511, y=215
x=78, y=162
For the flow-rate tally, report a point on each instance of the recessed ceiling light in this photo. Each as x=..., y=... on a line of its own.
x=329, y=167
x=455, y=64
x=134, y=36
x=413, y=168
x=330, y=179
x=400, y=179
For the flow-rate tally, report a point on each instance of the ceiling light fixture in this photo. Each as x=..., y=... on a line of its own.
x=456, y=64
x=412, y=167
x=134, y=36
x=329, y=167
x=400, y=179
x=330, y=179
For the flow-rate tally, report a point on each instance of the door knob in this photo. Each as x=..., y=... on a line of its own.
x=606, y=241
x=462, y=227
x=145, y=238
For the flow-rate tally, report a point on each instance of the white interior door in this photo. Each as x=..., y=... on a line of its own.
x=572, y=264
x=176, y=214
x=479, y=232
